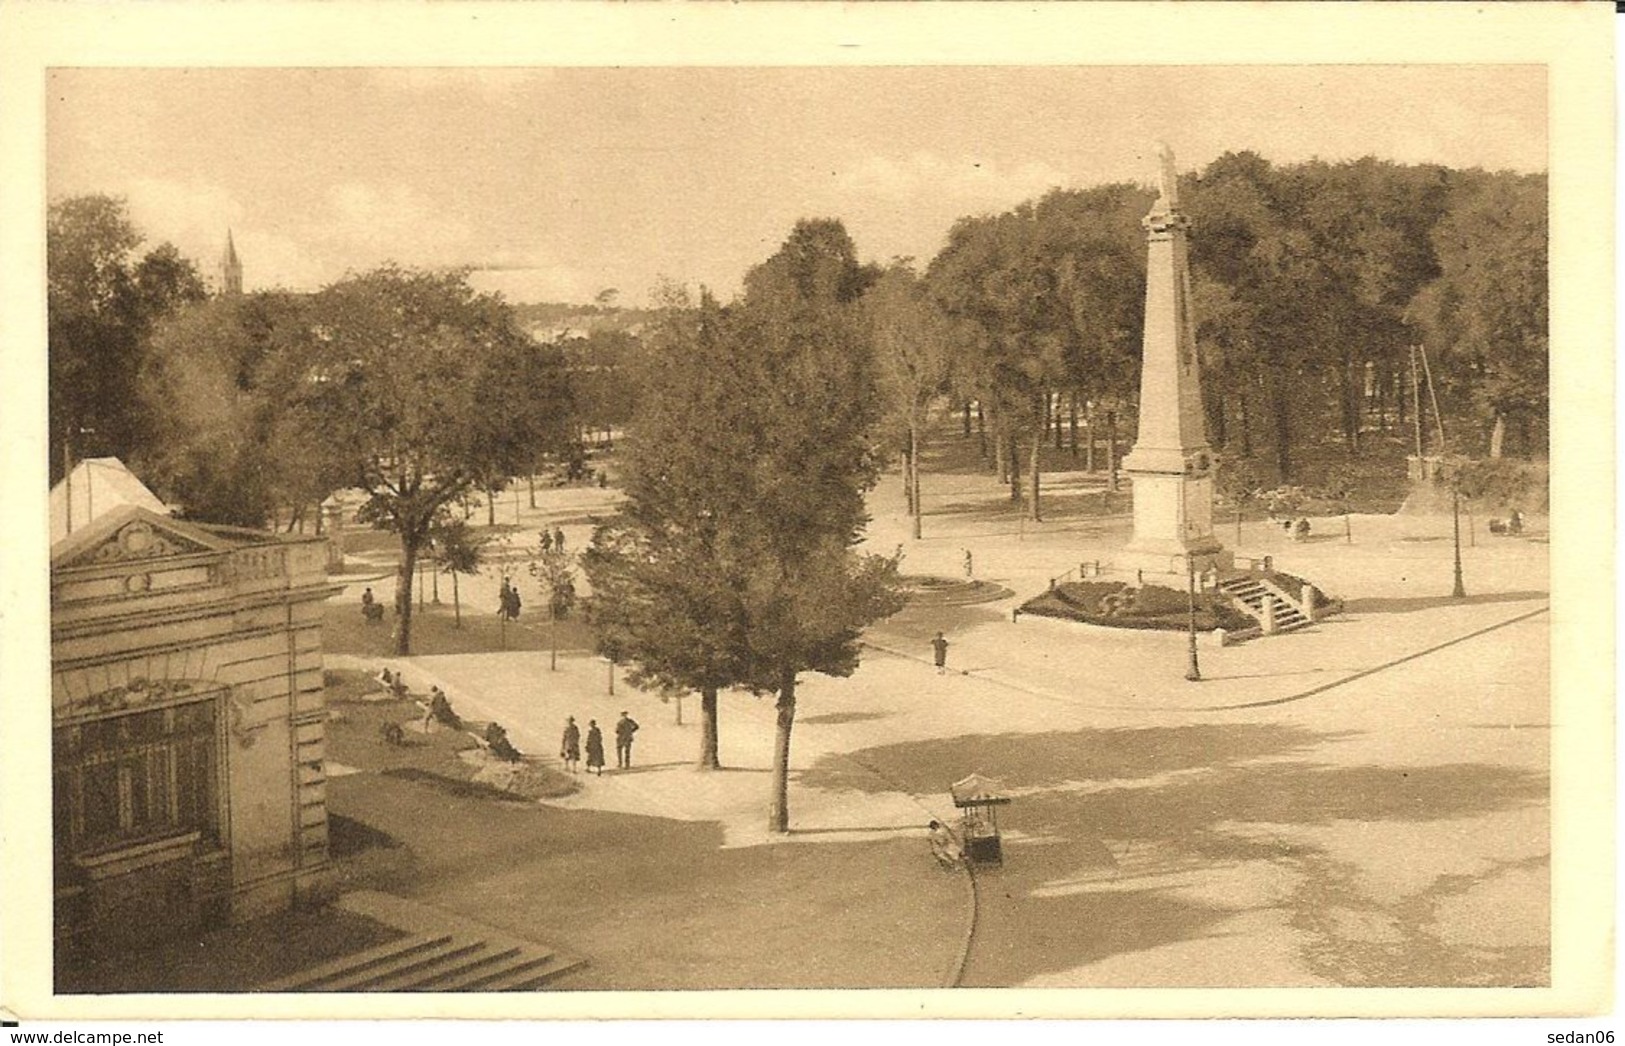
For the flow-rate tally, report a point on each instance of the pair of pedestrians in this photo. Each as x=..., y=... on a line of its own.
x=570, y=746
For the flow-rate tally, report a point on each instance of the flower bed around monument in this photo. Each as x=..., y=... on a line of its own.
x=1119, y=605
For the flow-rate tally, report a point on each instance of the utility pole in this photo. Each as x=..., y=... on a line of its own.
x=1416, y=406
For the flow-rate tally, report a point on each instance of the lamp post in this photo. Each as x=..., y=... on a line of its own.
x=1194, y=672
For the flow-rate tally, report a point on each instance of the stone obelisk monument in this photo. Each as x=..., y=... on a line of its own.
x=1171, y=465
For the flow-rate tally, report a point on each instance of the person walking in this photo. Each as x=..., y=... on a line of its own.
x=968, y=571
x=595, y=748
x=570, y=747
x=625, y=727
x=939, y=650
x=558, y=538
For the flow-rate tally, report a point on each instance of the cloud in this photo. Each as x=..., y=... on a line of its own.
x=196, y=217
x=964, y=182
x=365, y=221
x=540, y=283
x=353, y=226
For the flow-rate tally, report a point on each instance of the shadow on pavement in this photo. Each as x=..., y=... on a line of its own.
x=837, y=718
x=1099, y=811
x=1414, y=603
x=1026, y=761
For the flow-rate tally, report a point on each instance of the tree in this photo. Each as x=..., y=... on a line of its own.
x=807, y=593
x=994, y=281
x=457, y=549
x=666, y=574
x=731, y=564
x=412, y=376
x=911, y=340
x=1049, y=296
x=554, y=570
x=102, y=304
x=222, y=439
x=1485, y=317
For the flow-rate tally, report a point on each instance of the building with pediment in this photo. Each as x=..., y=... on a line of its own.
x=187, y=720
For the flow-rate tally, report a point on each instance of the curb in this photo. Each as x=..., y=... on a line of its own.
x=956, y=971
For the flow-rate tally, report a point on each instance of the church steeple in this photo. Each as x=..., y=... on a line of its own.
x=231, y=270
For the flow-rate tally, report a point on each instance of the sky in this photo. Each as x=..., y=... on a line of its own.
x=558, y=183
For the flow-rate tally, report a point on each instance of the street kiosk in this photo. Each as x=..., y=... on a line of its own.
x=978, y=799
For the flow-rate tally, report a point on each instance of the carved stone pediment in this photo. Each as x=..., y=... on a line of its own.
x=137, y=540
x=140, y=692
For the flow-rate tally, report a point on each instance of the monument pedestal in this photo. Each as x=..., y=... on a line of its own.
x=1173, y=514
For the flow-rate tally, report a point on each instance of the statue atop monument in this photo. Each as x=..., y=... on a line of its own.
x=1167, y=177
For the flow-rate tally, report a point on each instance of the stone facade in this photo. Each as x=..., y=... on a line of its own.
x=188, y=718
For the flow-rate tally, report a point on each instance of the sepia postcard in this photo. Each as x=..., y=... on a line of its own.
x=807, y=511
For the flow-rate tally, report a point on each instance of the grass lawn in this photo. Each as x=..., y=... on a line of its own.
x=435, y=631
x=443, y=757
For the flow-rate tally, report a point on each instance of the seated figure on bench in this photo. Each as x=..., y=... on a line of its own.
x=394, y=682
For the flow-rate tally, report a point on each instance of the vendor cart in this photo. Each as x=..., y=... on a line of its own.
x=978, y=799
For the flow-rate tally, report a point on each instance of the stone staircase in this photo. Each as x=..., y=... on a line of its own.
x=1247, y=593
x=438, y=953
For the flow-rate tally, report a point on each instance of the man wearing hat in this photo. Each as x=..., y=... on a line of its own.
x=625, y=727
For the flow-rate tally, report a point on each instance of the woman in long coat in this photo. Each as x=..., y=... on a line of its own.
x=595, y=748
x=570, y=747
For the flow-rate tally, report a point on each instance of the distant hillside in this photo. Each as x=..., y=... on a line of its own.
x=556, y=321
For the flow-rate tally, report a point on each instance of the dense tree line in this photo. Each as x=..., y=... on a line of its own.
x=1315, y=287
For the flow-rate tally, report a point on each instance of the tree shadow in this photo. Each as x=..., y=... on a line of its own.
x=919, y=624
x=642, y=768
x=837, y=718
x=1107, y=826
x=1036, y=761
x=1012, y=946
x=655, y=903
x=1409, y=604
